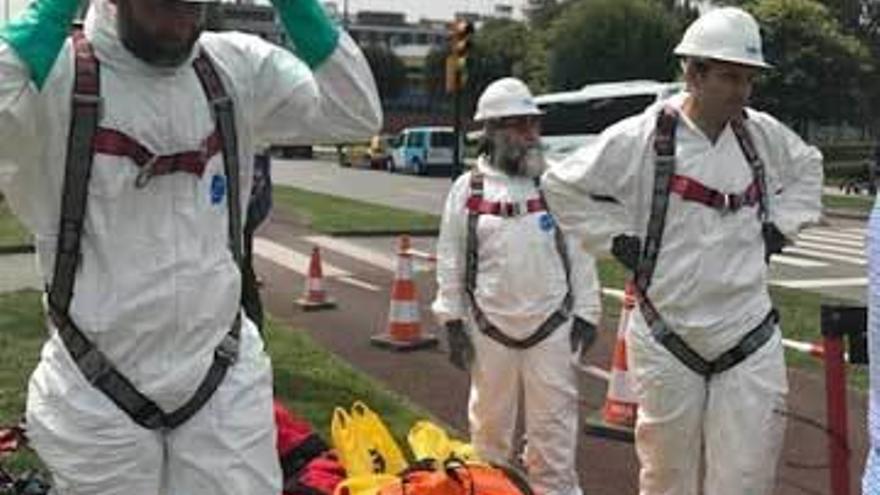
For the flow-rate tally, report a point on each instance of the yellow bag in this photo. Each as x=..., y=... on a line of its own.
x=429, y=441
x=367, y=484
x=363, y=442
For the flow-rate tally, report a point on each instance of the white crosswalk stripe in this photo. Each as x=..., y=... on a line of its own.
x=299, y=263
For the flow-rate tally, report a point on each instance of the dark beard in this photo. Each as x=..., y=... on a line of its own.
x=160, y=53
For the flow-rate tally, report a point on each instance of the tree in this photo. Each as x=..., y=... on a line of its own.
x=388, y=69
x=819, y=72
x=606, y=40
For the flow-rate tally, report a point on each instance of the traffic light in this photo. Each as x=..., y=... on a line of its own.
x=460, y=33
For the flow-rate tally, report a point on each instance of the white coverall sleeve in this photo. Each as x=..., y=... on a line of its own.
x=18, y=136
x=796, y=199
x=335, y=102
x=450, y=303
x=584, y=283
x=592, y=192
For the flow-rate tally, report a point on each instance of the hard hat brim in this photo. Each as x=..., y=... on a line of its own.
x=722, y=58
x=480, y=117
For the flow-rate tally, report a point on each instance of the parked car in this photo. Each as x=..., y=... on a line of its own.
x=423, y=151
x=372, y=155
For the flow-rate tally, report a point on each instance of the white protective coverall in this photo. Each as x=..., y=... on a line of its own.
x=710, y=285
x=520, y=282
x=157, y=287
x=871, y=477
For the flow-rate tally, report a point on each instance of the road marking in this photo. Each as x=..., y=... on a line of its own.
x=615, y=293
x=360, y=283
x=825, y=239
x=798, y=262
x=299, y=263
x=355, y=251
x=822, y=283
x=835, y=249
x=821, y=255
x=857, y=230
x=838, y=234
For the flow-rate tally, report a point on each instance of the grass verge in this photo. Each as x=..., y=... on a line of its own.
x=860, y=204
x=309, y=379
x=12, y=233
x=334, y=215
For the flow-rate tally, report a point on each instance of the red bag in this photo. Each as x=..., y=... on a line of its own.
x=459, y=478
x=308, y=464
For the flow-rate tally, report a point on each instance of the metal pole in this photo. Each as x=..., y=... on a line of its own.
x=456, y=126
x=834, y=327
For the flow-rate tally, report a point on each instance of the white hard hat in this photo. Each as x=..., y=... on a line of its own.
x=506, y=97
x=729, y=34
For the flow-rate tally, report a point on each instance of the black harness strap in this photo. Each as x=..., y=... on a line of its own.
x=664, y=171
x=554, y=321
x=92, y=363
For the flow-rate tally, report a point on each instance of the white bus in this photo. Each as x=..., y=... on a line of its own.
x=572, y=118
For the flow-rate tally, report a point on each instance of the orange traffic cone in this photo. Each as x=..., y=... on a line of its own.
x=404, y=330
x=315, y=297
x=621, y=403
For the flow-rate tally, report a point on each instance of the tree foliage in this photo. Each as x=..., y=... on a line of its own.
x=606, y=40
x=388, y=70
x=819, y=72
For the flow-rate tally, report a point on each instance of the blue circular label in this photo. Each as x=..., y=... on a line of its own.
x=546, y=222
x=218, y=189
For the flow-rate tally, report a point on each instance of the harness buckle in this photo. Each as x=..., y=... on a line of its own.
x=93, y=365
x=227, y=350
x=85, y=99
x=146, y=173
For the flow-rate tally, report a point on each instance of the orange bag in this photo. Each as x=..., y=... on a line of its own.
x=459, y=478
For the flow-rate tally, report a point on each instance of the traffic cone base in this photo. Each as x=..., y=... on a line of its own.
x=308, y=305
x=387, y=341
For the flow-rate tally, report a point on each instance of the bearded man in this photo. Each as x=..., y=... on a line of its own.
x=532, y=298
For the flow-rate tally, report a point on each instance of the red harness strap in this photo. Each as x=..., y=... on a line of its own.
x=504, y=209
x=115, y=143
x=693, y=190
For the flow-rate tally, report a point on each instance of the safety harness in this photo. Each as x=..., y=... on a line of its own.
x=666, y=181
x=83, y=141
x=476, y=206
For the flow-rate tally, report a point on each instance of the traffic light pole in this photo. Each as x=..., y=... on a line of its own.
x=456, y=127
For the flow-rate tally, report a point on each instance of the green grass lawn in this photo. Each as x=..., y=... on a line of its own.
x=309, y=379
x=12, y=233
x=334, y=215
x=862, y=204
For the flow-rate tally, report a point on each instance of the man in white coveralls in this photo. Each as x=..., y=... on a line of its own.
x=694, y=195
x=518, y=300
x=126, y=149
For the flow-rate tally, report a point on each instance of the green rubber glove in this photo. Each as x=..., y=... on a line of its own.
x=313, y=34
x=39, y=33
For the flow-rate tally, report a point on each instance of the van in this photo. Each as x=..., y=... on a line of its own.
x=573, y=118
x=423, y=151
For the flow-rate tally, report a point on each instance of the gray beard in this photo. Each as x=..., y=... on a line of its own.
x=516, y=160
